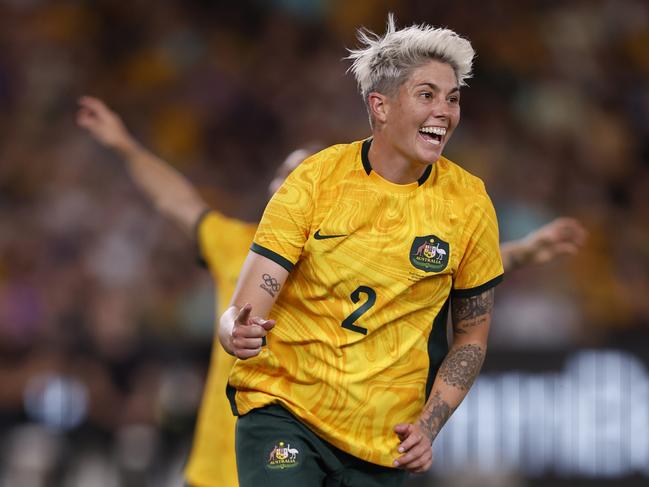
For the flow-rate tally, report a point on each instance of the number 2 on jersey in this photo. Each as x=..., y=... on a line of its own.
x=357, y=313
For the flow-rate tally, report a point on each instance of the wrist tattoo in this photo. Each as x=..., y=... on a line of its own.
x=473, y=311
x=270, y=285
x=434, y=416
x=461, y=366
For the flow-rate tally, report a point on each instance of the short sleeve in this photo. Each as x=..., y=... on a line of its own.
x=285, y=225
x=480, y=266
x=221, y=240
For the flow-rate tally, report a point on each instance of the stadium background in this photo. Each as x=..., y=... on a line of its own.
x=105, y=320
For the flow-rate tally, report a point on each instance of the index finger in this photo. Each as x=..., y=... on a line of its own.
x=410, y=439
x=244, y=314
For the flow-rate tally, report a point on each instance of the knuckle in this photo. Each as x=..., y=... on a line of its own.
x=406, y=459
x=416, y=462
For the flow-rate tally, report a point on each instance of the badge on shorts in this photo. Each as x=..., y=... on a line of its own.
x=283, y=456
x=429, y=253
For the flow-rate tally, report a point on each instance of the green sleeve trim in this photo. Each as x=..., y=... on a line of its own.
x=200, y=260
x=474, y=291
x=274, y=256
x=231, y=392
x=437, y=346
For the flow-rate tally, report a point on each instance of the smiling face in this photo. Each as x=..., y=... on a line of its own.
x=420, y=117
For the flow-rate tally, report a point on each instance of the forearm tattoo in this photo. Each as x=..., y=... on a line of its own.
x=270, y=285
x=434, y=416
x=462, y=365
x=473, y=311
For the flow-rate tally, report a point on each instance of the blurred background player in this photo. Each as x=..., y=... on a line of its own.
x=223, y=244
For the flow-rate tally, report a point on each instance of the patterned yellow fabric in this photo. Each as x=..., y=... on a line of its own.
x=223, y=244
x=360, y=332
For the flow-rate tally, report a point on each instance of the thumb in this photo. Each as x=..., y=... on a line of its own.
x=403, y=430
x=267, y=324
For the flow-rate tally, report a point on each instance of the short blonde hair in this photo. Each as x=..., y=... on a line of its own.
x=382, y=64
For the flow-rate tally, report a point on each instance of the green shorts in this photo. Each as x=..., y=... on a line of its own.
x=275, y=449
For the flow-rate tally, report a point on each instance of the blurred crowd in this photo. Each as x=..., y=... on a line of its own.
x=106, y=321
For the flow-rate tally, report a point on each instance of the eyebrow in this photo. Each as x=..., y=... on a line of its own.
x=434, y=87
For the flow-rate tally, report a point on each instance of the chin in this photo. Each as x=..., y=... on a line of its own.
x=428, y=153
x=430, y=156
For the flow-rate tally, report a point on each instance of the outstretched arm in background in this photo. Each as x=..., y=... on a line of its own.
x=559, y=237
x=471, y=320
x=170, y=192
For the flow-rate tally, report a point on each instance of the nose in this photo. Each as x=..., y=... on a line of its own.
x=440, y=109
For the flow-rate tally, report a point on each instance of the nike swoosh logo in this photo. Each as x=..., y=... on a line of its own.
x=318, y=236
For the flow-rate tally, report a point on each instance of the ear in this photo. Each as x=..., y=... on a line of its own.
x=378, y=105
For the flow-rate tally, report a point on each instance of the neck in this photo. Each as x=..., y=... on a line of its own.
x=392, y=165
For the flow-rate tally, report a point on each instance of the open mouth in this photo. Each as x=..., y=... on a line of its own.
x=433, y=135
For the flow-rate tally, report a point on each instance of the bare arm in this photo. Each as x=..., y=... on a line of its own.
x=243, y=326
x=562, y=236
x=169, y=191
x=471, y=320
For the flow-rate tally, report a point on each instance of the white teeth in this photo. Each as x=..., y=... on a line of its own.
x=434, y=130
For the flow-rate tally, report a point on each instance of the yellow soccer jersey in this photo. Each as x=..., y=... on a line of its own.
x=361, y=321
x=223, y=244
